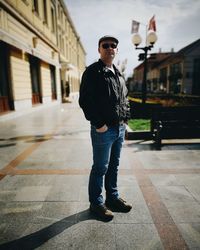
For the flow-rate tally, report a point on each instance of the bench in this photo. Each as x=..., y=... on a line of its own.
x=175, y=123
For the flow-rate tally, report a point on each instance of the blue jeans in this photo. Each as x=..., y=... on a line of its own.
x=106, y=154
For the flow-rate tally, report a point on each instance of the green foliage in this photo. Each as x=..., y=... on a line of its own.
x=139, y=124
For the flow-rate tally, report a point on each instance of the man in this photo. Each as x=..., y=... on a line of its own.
x=103, y=100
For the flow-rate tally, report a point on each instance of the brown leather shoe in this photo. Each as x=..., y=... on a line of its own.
x=118, y=205
x=102, y=211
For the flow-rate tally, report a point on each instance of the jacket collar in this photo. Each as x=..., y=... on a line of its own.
x=105, y=69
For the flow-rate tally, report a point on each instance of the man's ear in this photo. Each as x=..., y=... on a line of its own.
x=98, y=49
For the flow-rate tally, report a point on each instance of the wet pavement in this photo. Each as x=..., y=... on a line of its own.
x=45, y=160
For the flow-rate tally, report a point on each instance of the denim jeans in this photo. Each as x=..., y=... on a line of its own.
x=106, y=155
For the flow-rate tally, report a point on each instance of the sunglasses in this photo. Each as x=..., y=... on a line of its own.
x=109, y=45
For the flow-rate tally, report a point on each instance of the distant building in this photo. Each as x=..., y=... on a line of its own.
x=152, y=72
x=42, y=57
x=172, y=72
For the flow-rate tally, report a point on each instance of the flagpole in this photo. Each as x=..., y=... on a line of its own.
x=150, y=40
x=146, y=33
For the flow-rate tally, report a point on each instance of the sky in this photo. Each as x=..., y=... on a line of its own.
x=177, y=24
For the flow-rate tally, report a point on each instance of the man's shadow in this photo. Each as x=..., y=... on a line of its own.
x=36, y=239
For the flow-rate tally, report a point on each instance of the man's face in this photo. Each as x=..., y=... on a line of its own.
x=108, y=49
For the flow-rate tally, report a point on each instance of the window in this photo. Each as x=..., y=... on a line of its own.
x=5, y=91
x=196, y=77
x=175, y=69
x=62, y=46
x=59, y=12
x=66, y=50
x=53, y=82
x=35, y=6
x=53, y=26
x=59, y=41
x=174, y=78
x=163, y=75
x=35, y=79
x=45, y=11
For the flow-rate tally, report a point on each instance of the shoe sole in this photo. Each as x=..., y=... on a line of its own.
x=108, y=217
x=119, y=210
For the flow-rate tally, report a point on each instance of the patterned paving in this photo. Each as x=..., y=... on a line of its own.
x=43, y=189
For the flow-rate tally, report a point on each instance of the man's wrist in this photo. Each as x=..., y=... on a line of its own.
x=104, y=128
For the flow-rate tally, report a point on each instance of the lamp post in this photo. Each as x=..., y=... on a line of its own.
x=151, y=39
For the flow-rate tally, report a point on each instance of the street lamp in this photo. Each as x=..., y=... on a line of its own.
x=151, y=39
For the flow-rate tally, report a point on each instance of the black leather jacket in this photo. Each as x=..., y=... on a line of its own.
x=103, y=95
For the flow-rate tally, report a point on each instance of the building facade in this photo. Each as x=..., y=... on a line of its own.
x=172, y=72
x=41, y=55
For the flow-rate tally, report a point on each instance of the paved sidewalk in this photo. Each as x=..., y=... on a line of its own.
x=45, y=159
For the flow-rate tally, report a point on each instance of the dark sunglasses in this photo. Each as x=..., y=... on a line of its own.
x=109, y=45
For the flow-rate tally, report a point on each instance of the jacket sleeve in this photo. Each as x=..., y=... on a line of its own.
x=127, y=114
x=88, y=100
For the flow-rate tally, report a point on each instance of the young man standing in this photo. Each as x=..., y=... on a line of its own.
x=104, y=103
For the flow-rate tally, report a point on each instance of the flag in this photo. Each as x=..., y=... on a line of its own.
x=135, y=27
x=152, y=24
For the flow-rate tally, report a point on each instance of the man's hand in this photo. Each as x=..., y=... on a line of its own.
x=104, y=128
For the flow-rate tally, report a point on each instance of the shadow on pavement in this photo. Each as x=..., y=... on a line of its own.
x=36, y=239
x=38, y=138
x=149, y=146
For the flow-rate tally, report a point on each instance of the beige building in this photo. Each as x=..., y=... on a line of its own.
x=171, y=73
x=41, y=55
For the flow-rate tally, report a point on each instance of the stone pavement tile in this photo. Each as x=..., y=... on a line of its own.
x=40, y=220
x=68, y=188
x=38, y=211
x=184, y=212
x=32, y=193
x=194, y=191
x=12, y=231
x=49, y=236
x=191, y=183
x=35, y=235
x=164, y=180
x=71, y=180
x=59, y=156
x=138, y=214
x=124, y=161
x=3, y=232
x=7, y=195
x=189, y=179
x=7, y=154
x=191, y=234
x=55, y=211
x=131, y=194
x=41, y=155
x=127, y=180
x=14, y=223
x=175, y=194
x=63, y=192
x=93, y=236
x=14, y=212
x=83, y=195
x=82, y=236
x=137, y=236
x=14, y=183
x=169, y=160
